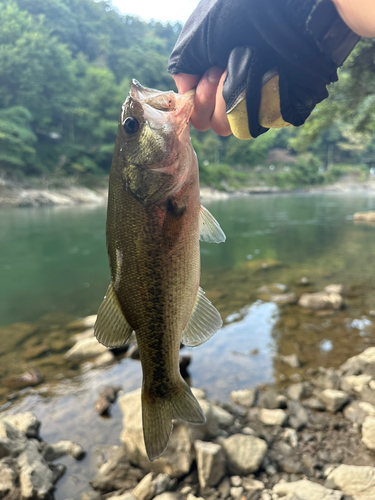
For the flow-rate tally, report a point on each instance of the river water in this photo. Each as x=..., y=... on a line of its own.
x=53, y=269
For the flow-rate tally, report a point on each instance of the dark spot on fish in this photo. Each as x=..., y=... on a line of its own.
x=176, y=209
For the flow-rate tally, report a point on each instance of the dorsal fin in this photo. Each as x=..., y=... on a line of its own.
x=210, y=230
x=111, y=328
x=204, y=321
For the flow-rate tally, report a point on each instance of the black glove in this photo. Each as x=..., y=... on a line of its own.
x=295, y=45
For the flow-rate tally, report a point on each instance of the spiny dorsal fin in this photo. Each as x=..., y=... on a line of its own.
x=210, y=230
x=204, y=321
x=111, y=327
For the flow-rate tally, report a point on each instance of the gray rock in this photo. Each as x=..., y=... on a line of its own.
x=368, y=394
x=145, y=489
x=314, y=404
x=113, y=473
x=362, y=363
x=125, y=496
x=244, y=397
x=52, y=452
x=161, y=483
x=11, y=438
x=300, y=390
x=328, y=378
x=224, y=488
x=321, y=300
x=58, y=470
x=24, y=422
x=86, y=348
x=105, y=359
x=284, y=298
x=177, y=459
x=298, y=417
x=357, y=411
x=223, y=417
x=36, y=478
x=335, y=288
x=291, y=437
x=235, y=480
x=354, y=384
x=306, y=490
x=357, y=482
x=334, y=400
x=5, y=450
x=368, y=433
x=271, y=399
x=8, y=476
x=292, y=360
x=236, y=491
x=244, y=453
x=210, y=463
x=82, y=323
x=90, y=495
x=168, y=495
x=251, y=485
x=272, y=417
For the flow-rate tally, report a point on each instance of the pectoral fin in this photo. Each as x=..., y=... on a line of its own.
x=204, y=321
x=111, y=328
x=210, y=230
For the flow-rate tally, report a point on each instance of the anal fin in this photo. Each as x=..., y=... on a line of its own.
x=204, y=321
x=111, y=328
x=209, y=228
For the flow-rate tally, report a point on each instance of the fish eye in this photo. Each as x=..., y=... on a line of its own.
x=131, y=125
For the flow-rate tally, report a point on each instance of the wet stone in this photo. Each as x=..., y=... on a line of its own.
x=30, y=378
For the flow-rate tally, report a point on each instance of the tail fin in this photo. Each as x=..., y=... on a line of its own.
x=157, y=417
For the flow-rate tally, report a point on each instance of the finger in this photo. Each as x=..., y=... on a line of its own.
x=205, y=97
x=185, y=82
x=219, y=120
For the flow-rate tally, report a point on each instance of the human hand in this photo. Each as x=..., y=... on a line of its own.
x=276, y=38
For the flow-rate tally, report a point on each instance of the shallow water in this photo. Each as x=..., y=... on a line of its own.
x=53, y=268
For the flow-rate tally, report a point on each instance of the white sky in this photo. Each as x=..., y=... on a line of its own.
x=160, y=10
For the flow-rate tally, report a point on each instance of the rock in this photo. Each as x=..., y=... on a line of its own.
x=11, y=439
x=36, y=478
x=271, y=399
x=292, y=360
x=354, y=383
x=290, y=465
x=252, y=485
x=284, y=298
x=298, y=417
x=275, y=288
x=90, y=495
x=364, y=216
x=210, y=463
x=235, y=480
x=328, y=378
x=334, y=400
x=272, y=417
x=24, y=422
x=368, y=433
x=340, y=289
x=291, y=437
x=223, y=417
x=35, y=352
x=86, y=348
x=177, y=458
x=236, y=491
x=244, y=397
x=125, y=496
x=4, y=448
x=299, y=390
x=192, y=497
x=30, y=378
x=8, y=476
x=52, y=452
x=210, y=428
x=244, y=453
x=357, y=411
x=168, y=495
x=82, y=323
x=114, y=474
x=145, y=489
x=368, y=394
x=161, y=483
x=224, y=488
x=306, y=490
x=321, y=300
x=198, y=393
x=357, y=482
x=362, y=363
x=106, y=397
x=58, y=470
x=314, y=404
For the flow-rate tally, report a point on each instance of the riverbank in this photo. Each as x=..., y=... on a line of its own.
x=16, y=195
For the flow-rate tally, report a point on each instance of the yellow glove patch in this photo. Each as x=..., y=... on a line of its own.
x=269, y=111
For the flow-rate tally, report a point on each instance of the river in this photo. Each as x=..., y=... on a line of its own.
x=53, y=269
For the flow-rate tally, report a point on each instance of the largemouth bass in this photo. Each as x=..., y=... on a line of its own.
x=154, y=223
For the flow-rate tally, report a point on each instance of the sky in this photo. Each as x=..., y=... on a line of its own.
x=161, y=10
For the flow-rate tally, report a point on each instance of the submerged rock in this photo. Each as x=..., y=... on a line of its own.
x=321, y=300
x=30, y=378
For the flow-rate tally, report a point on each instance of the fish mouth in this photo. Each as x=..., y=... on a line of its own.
x=179, y=105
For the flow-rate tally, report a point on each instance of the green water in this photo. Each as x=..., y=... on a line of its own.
x=53, y=268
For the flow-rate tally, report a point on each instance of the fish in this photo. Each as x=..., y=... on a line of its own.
x=154, y=224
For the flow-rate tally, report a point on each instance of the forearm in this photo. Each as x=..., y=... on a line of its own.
x=359, y=15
